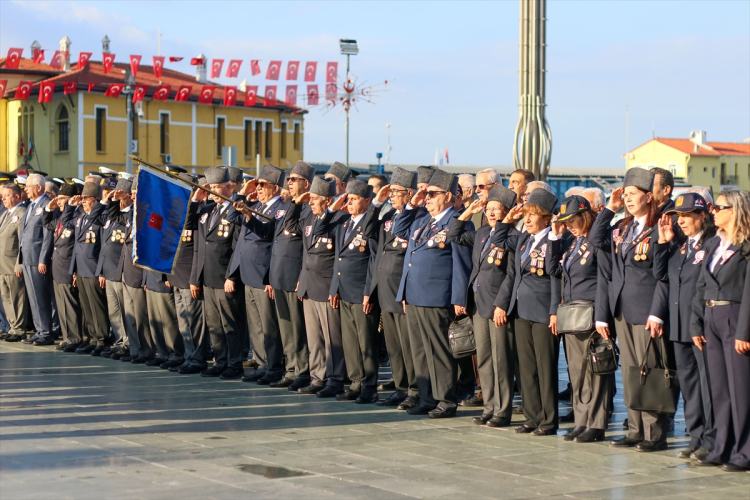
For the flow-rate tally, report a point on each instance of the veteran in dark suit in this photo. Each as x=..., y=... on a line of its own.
x=12, y=286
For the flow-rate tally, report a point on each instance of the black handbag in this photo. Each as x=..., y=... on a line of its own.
x=651, y=388
x=575, y=317
x=601, y=357
x=461, y=337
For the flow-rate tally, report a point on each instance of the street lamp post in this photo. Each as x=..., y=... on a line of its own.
x=348, y=48
x=129, y=83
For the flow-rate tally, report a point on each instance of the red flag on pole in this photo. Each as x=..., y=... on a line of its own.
x=158, y=66
x=23, y=90
x=114, y=90
x=70, y=88
x=83, y=59
x=269, y=99
x=251, y=94
x=38, y=56
x=175, y=59
x=21, y=147
x=311, y=67
x=183, y=93
x=216, y=65
x=332, y=70
x=58, y=60
x=207, y=94
x=91, y=86
x=291, y=95
x=233, y=69
x=292, y=68
x=107, y=61
x=135, y=61
x=255, y=67
x=13, y=59
x=196, y=61
x=273, y=70
x=46, y=91
x=3, y=86
x=312, y=95
x=331, y=92
x=139, y=92
x=162, y=92
x=230, y=95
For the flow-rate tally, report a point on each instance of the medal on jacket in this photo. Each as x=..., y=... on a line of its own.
x=616, y=234
x=90, y=237
x=683, y=248
x=534, y=261
x=66, y=233
x=187, y=235
x=224, y=228
x=641, y=249
x=585, y=256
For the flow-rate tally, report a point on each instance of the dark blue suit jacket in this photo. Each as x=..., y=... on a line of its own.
x=352, y=267
x=85, y=255
x=109, y=255
x=286, y=253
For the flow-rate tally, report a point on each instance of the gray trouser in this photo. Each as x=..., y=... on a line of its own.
x=358, y=331
x=189, y=320
x=593, y=388
x=15, y=302
x=94, y=309
x=496, y=361
x=116, y=310
x=221, y=313
x=633, y=340
x=291, y=318
x=396, y=332
x=136, y=322
x=162, y=320
x=41, y=299
x=264, y=332
x=69, y=312
x=538, y=350
x=324, y=339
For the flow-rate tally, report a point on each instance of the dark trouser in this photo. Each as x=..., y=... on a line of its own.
x=116, y=311
x=324, y=339
x=465, y=376
x=221, y=311
x=69, y=312
x=189, y=319
x=696, y=393
x=729, y=374
x=495, y=364
x=94, y=309
x=537, y=359
x=162, y=320
x=595, y=389
x=264, y=332
x=41, y=300
x=358, y=334
x=136, y=322
x=15, y=302
x=633, y=340
x=396, y=331
x=434, y=364
x=291, y=318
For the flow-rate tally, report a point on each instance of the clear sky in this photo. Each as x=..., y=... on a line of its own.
x=452, y=67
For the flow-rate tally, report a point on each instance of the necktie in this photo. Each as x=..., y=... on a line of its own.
x=32, y=206
x=529, y=245
x=630, y=236
x=427, y=227
x=489, y=238
x=349, y=228
x=215, y=215
x=572, y=254
x=690, y=245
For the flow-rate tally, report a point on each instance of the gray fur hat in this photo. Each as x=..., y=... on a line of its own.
x=124, y=185
x=272, y=174
x=424, y=174
x=404, y=178
x=360, y=188
x=304, y=170
x=445, y=181
x=503, y=195
x=70, y=188
x=91, y=189
x=185, y=177
x=217, y=175
x=323, y=187
x=640, y=178
x=544, y=199
x=341, y=171
x=235, y=174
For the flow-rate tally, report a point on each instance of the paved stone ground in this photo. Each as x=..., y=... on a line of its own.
x=74, y=426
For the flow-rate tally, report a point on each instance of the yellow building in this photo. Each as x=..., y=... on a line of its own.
x=714, y=165
x=85, y=129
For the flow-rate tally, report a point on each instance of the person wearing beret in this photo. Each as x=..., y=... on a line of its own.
x=433, y=289
x=682, y=264
x=531, y=301
x=493, y=264
x=721, y=327
x=386, y=276
x=87, y=223
x=340, y=174
x=638, y=317
x=252, y=257
x=211, y=279
x=12, y=288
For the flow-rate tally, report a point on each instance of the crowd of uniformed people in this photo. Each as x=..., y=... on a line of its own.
x=303, y=298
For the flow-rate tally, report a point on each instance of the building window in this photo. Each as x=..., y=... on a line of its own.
x=25, y=126
x=723, y=174
x=248, y=139
x=283, y=140
x=638, y=165
x=690, y=171
x=220, y=130
x=63, y=128
x=269, y=129
x=713, y=172
x=258, y=141
x=297, y=137
x=101, y=129
x=672, y=167
x=164, y=134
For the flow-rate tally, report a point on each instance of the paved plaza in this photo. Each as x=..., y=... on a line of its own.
x=80, y=427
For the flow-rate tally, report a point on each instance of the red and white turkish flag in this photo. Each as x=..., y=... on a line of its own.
x=312, y=95
x=91, y=86
x=135, y=61
x=139, y=92
x=107, y=61
x=311, y=67
x=23, y=90
x=13, y=59
x=233, y=69
x=3, y=86
x=207, y=94
x=175, y=59
x=38, y=56
x=270, y=98
x=216, y=65
x=162, y=92
x=255, y=67
x=274, y=68
x=251, y=95
x=46, y=91
x=183, y=93
x=292, y=68
x=196, y=61
x=70, y=88
x=230, y=95
x=114, y=90
x=83, y=59
x=331, y=92
x=58, y=60
x=291, y=95
x=158, y=66
x=332, y=72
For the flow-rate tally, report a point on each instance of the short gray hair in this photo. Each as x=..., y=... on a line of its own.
x=703, y=192
x=539, y=184
x=35, y=180
x=467, y=179
x=51, y=186
x=599, y=198
x=491, y=174
x=574, y=190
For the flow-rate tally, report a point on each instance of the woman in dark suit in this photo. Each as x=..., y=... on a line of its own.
x=490, y=258
x=579, y=273
x=531, y=300
x=721, y=326
x=682, y=264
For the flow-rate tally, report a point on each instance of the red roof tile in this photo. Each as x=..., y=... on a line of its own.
x=28, y=66
x=718, y=148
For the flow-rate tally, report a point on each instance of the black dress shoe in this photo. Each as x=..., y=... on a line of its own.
x=311, y=389
x=472, y=401
x=170, y=364
x=649, y=446
x=524, y=429
x=175, y=369
x=329, y=392
x=730, y=467
x=347, y=395
x=70, y=348
x=155, y=362
x=118, y=355
x=564, y=395
x=575, y=431
x=699, y=454
x=625, y=424
x=85, y=349
x=190, y=369
x=107, y=352
x=590, y=436
x=408, y=403
x=443, y=412
x=13, y=338
x=482, y=419
x=705, y=462
x=232, y=373
x=212, y=372
x=138, y=360
x=44, y=342
x=625, y=442
x=29, y=340
x=570, y=417
x=498, y=421
x=394, y=399
x=61, y=346
x=388, y=386
x=266, y=380
x=126, y=358
x=686, y=452
x=253, y=376
x=298, y=384
x=518, y=410
x=284, y=382
x=540, y=431
x=364, y=399
x=419, y=410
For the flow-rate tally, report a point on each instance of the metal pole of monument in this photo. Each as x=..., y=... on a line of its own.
x=347, y=113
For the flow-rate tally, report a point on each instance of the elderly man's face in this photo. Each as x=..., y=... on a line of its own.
x=517, y=183
x=10, y=200
x=484, y=185
x=590, y=197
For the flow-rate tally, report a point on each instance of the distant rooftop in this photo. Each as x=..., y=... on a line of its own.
x=501, y=169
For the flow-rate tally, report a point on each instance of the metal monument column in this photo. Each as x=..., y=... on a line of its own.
x=532, y=147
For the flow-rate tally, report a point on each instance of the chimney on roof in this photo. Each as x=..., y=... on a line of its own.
x=65, y=49
x=34, y=47
x=698, y=137
x=105, y=44
x=202, y=74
